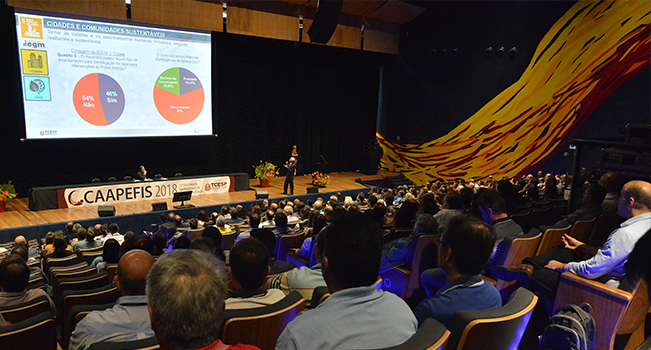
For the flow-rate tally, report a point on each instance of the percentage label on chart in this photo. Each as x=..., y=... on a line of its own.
x=112, y=93
x=87, y=98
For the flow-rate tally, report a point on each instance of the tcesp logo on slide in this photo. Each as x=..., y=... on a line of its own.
x=73, y=202
x=207, y=187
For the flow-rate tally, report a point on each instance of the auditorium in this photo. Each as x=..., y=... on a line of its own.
x=325, y=174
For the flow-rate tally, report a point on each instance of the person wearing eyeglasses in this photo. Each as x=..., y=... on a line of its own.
x=463, y=250
x=606, y=264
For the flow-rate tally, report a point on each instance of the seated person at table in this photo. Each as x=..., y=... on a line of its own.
x=356, y=315
x=463, y=250
x=129, y=319
x=14, y=275
x=249, y=260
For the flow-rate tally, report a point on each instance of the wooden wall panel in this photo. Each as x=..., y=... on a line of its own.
x=262, y=24
x=180, y=13
x=99, y=8
x=344, y=36
x=379, y=41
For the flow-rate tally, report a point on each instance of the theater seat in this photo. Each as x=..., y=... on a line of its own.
x=143, y=344
x=23, y=311
x=35, y=333
x=495, y=329
x=319, y=295
x=268, y=321
x=432, y=335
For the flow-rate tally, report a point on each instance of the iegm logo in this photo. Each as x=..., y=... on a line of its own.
x=31, y=27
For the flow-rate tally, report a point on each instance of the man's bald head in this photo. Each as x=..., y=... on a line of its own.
x=20, y=239
x=132, y=272
x=635, y=199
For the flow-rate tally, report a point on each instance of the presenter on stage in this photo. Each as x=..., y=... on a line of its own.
x=142, y=173
x=289, y=178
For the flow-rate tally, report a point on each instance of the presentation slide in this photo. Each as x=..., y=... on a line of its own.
x=86, y=78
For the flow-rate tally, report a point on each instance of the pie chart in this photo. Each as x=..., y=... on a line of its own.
x=98, y=99
x=178, y=95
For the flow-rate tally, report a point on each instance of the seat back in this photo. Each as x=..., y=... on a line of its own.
x=581, y=230
x=605, y=225
x=552, y=238
x=23, y=311
x=288, y=242
x=56, y=262
x=76, y=314
x=102, y=295
x=636, y=311
x=268, y=321
x=111, y=271
x=521, y=248
x=608, y=304
x=59, y=275
x=88, y=257
x=228, y=240
x=93, y=281
x=495, y=329
x=195, y=234
x=431, y=335
x=319, y=295
x=537, y=218
x=522, y=220
x=35, y=333
x=143, y=344
x=395, y=234
x=425, y=255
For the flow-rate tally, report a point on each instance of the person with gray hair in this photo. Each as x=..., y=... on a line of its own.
x=186, y=290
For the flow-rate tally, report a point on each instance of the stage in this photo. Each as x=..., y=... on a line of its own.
x=18, y=213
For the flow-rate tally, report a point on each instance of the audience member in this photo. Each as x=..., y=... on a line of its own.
x=303, y=279
x=493, y=211
x=397, y=252
x=89, y=241
x=269, y=240
x=356, y=315
x=110, y=255
x=186, y=290
x=249, y=260
x=128, y=320
x=33, y=253
x=463, y=250
x=452, y=206
x=14, y=276
x=610, y=181
x=280, y=220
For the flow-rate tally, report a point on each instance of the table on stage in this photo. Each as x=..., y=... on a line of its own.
x=106, y=193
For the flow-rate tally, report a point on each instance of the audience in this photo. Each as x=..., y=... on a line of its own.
x=542, y=273
x=129, y=319
x=186, y=290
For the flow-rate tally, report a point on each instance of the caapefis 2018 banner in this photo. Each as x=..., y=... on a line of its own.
x=137, y=191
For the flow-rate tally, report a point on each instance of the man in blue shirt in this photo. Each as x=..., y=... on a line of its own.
x=542, y=273
x=129, y=318
x=463, y=249
x=357, y=315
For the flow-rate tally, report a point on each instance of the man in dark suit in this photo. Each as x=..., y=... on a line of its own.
x=142, y=173
x=289, y=178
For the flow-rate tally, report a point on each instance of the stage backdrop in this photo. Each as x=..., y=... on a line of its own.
x=267, y=96
x=587, y=54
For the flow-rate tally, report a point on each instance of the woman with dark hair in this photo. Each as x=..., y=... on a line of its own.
x=202, y=218
x=110, y=255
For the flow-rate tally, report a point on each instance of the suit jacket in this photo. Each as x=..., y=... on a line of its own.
x=291, y=171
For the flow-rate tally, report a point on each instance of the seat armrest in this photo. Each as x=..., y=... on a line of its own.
x=607, y=302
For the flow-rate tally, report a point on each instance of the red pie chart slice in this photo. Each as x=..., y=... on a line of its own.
x=178, y=95
x=98, y=99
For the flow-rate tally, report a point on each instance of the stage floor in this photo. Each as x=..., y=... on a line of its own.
x=19, y=215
